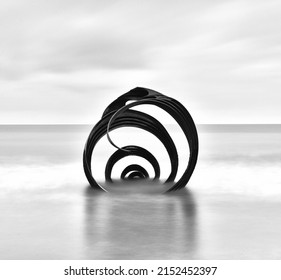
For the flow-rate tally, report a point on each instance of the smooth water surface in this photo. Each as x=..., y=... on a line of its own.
x=230, y=210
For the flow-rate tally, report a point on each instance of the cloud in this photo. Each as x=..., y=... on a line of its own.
x=65, y=42
x=63, y=36
x=220, y=58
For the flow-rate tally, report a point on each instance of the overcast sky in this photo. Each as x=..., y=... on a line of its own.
x=64, y=61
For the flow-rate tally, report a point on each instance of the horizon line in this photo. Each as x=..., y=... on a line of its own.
x=91, y=124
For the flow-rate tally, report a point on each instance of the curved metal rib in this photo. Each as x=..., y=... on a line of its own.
x=118, y=114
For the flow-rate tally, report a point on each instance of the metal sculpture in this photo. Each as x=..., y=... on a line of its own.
x=119, y=114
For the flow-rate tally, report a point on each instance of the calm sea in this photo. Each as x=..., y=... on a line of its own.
x=230, y=209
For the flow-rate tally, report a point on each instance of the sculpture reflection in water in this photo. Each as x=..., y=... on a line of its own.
x=140, y=225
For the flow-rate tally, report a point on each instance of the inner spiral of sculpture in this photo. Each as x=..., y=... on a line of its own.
x=120, y=114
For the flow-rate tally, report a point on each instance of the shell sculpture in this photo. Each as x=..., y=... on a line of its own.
x=120, y=113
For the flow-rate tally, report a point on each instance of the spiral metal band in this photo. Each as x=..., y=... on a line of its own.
x=118, y=114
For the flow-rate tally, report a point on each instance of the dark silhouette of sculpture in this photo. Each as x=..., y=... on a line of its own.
x=119, y=114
